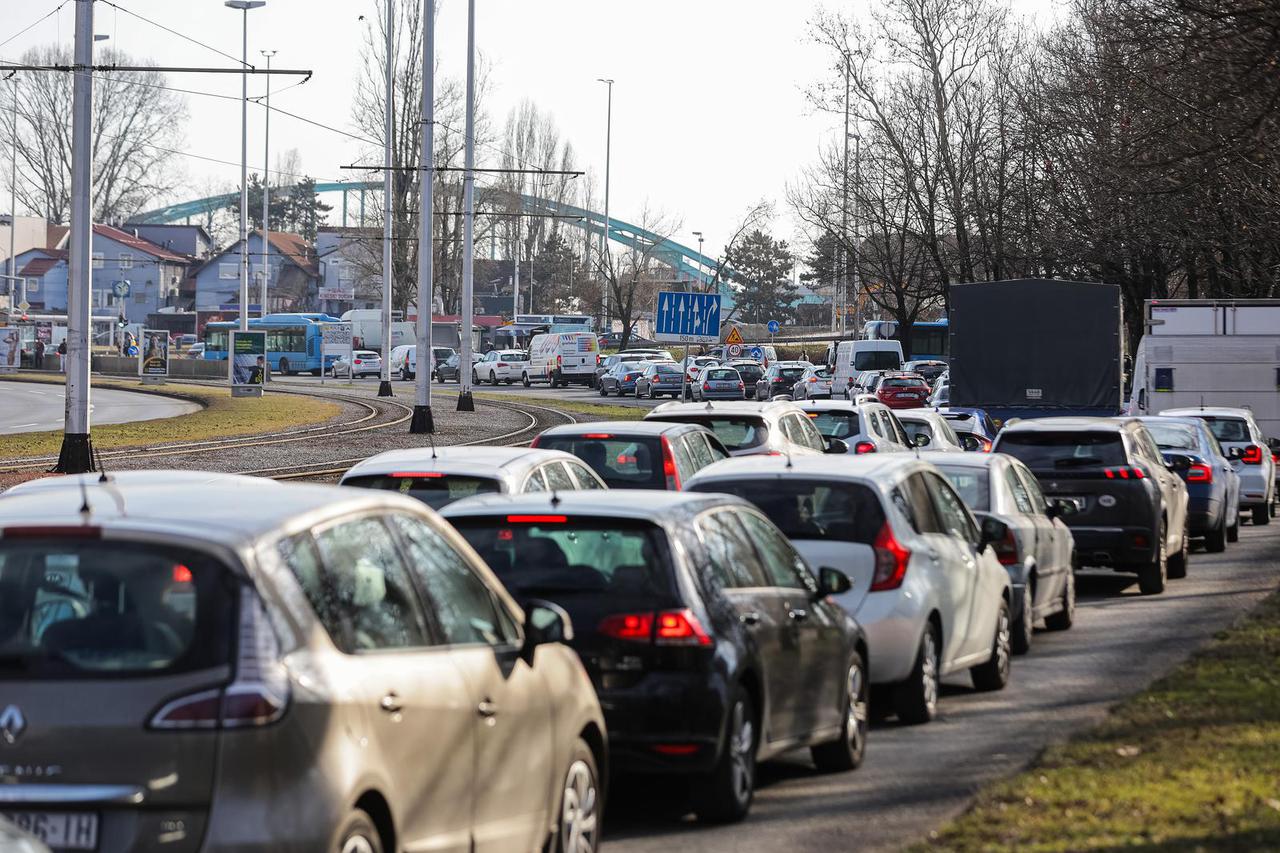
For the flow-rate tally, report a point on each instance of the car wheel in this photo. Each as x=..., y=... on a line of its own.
x=1262, y=515
x=725, y=796
x=846, y=752
x=524, y=380
x=1023, y=623
x=994, y=674
x=650, y=394
x=1178, y=562
x=916, y=699
x=581, y=805
x=357, y=835
x=1152, y=577
x=404, y=374
x=475, y=378
x=1215, y=540
x=1233, y=532
x=604, y=392
x=493, y=379
x=1063, y=619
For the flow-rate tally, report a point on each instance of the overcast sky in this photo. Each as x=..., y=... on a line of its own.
x=709, y=112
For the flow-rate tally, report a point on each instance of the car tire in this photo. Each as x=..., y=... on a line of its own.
x=357, y=834
x=604, y=392
x=581, y=805
x=1215, y=540
x=1152, y=576
x=524, y=380
x=1262, y=515
x=725, y=795
x=1023, y=624
x=1178, y=562
x=915, y=700
x=846, y=752
x=994, y=674
x=475, y=377
x=1064, y=618
x=493, y=379
x=1233, y=532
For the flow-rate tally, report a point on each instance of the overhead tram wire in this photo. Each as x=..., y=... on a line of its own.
x=35, y=23
x=237, y=60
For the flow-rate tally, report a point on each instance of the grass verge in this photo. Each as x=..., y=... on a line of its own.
x=597, y=411
x=1192, y=763
x=220, y=416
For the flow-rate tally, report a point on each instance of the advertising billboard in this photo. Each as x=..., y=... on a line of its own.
x=154, y=360
x=248, y=360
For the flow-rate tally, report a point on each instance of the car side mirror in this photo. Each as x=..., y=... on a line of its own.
x=1177, y=462
x=544, y=622
x=835, y=445
x=992, y=530
x=832, y=582
x=921, y=440
x=1234, y=453
x=970, y=442
x=1055, y=508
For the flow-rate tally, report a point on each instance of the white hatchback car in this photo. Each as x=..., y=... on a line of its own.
x=865, y=425
x=927, y=587
x=929, y=430
x=361, y=363
x=496, y=366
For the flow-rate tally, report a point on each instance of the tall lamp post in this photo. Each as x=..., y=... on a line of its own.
x=465, y=402
x=384, y=386
x=702, y=283
x=604, y=239
x=266, y=193
x=13, y=192
x=423, y=421
x=244, y=6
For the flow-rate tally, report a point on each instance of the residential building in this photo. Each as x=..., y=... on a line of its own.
x=190, y=240
x=293, y=276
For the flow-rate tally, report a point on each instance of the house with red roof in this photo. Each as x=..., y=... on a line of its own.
x=292, y=275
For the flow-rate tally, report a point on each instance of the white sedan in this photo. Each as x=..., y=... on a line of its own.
x=496, y=366
x=362, y=362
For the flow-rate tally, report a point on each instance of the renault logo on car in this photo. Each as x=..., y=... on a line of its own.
x=12, y=724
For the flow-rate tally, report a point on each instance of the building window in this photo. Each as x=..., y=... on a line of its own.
x=99, y=260
x=126, y=261
x=228, y=271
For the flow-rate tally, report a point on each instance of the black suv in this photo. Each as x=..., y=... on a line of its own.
x=710, y=643
x=1126, y=507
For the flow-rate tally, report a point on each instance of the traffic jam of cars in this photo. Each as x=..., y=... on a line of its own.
x=462, y=647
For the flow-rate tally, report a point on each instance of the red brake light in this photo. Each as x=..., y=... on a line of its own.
x=415, y=474
x=665, y=628
x=628, y=626
x=597, y=435
x=864, y=447
x=1252, y=455
x=536, y=519
x=669, y=466
x=181, y=574
x=675, y=748
x=1006, y=549
x=503, y=364
x=891, y=560
x=1199, y=473
x=1124, y=472
x=37, y=531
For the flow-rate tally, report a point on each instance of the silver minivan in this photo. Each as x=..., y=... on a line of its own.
x=209, y=662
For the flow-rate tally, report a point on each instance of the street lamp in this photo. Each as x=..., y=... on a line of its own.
x=244, y=6
x=604, y=240
x=698, y=234
x=266, y=192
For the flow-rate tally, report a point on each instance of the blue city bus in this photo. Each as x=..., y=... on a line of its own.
x=928, y=337
x=293, y=341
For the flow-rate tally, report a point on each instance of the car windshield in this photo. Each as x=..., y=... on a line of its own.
x=622, y=462
x=972, y=484
x=572, y=556
x=1173, y=436
x=1064, y=450
x=811, y=509
x=836, y=424
x=1228, y=429
x=95, y=609
x=882, y=359
x=735, y=432
x=433, y=488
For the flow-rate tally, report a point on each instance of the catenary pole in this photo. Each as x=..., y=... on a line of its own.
x=384, y=387
x=465, y=403
x=266, y=195
x=423, y=422
x=244, y=172
x=76, y=456
x=605, y=264
x=13, y=193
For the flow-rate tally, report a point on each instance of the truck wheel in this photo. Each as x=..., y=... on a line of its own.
x=1152, y=576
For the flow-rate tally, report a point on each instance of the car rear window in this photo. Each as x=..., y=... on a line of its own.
x=972, y=484
x=811, y=509
x=432, y=488
x=876, y=360
x=749, y=371
x=667, y=370
x=904, y=382
x=556, y=554
x=836, y=424
x=622, y=462
x=1228, y=429
x=1173, y=436
x=1064, y=450
x=735, y=432
x=722, y=374
x=790, y=372
x=92, y=609
x=514, y=356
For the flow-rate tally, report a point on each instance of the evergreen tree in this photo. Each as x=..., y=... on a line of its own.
x=762, y=272
x=295, y=209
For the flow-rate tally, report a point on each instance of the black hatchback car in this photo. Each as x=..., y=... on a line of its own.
x=710, y=642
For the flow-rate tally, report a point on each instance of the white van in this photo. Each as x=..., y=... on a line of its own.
x=561, y=358
x=853, y=357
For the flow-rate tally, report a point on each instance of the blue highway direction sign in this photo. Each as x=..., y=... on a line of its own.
x=687, y=318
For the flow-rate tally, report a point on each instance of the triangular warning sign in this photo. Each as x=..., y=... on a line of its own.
x=735, y=337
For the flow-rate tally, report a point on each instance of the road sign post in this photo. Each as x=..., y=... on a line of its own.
x=687, y=318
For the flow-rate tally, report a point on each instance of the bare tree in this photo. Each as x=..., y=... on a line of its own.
x=137, y=126
x=634, y=279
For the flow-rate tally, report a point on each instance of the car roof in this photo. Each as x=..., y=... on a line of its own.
x=961, y=460
x=620, y=503
x=732, y=407
x=222, y=509
x=457, y=460
x=1172, y=419
x=872, y=467
x=616, y=427
x=1211, y=411
x=1066, y=424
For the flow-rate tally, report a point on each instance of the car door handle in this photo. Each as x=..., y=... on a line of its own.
x=487, y=709
x=390, y=703
x=797, y=614
x=751, y=617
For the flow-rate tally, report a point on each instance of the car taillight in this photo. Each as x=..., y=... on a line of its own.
x=813, y=379
x=1252, y=455
x=1006, y=549
x=741, y=387
x=358, y=361
x=891, y=560
x=1124, y=472
x=864, y=447
x=258, y=696
x=559, y=361
x=1199, y=473
x=985, y=445
x=669, y=466
x=502, y=364
x=665, y=628
x=536, y=440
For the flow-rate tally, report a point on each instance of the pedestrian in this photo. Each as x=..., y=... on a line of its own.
x=62, y=356
x=39, y=354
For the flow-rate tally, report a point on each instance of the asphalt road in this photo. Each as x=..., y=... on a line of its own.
x=916, y=777
x=33, y=407
x=578, y=393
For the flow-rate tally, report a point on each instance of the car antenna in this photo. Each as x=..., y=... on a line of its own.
x=103, y=478
x=555, y=499
x=85, y=509
x=431, y=438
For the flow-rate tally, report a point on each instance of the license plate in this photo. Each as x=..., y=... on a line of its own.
x=59, y=830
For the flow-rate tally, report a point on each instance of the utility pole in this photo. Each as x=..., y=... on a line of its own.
x=76, y=455
x=857, y=186
x=244, y=6
x=384, y=387
x=266, y=193
x=465, y=403
x=606, y=265
x=13, y=191
x=423, y=422
x=842, y=287
x=515, y=292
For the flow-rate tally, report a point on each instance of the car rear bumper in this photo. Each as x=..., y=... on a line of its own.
x=1255, y=488
x=893, y=623
x=1117, y=547
x=720, y=395
x=666, y=722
